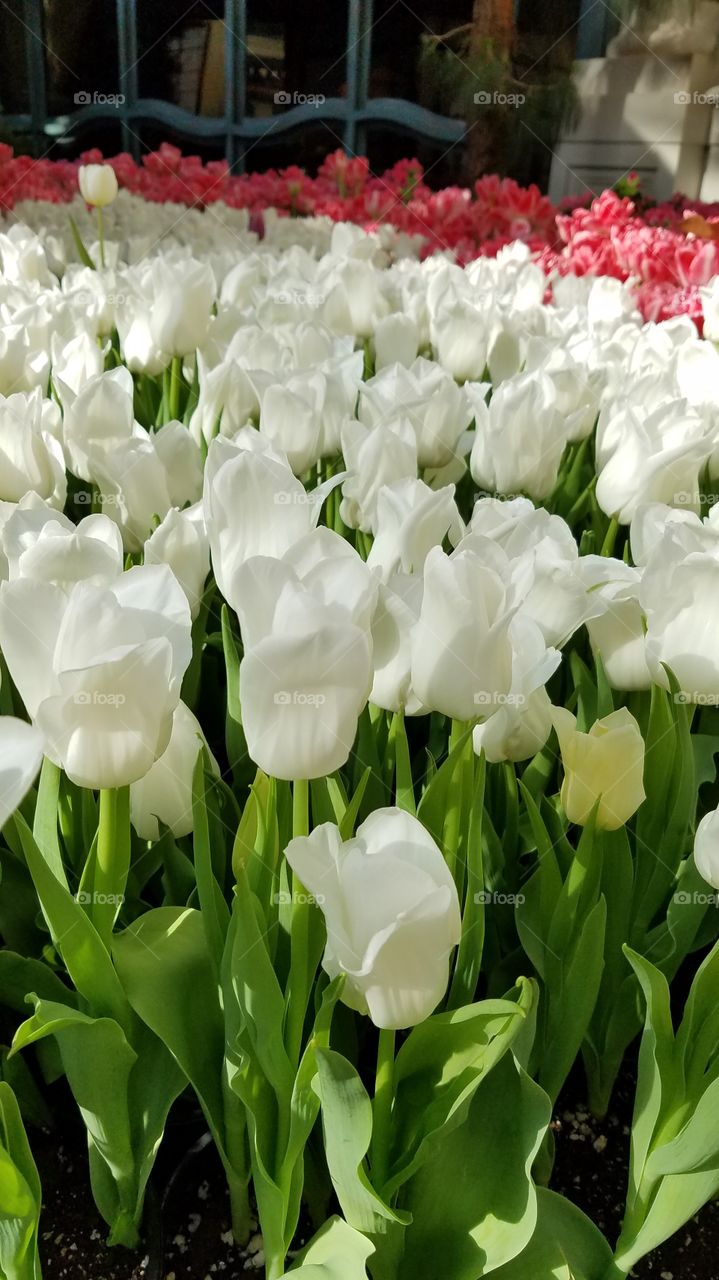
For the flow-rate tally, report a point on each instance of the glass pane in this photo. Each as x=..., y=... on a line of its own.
x=401, y=26
x=296, y=53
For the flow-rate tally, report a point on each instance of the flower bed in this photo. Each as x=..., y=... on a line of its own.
x=667, y=250
x=358, y=733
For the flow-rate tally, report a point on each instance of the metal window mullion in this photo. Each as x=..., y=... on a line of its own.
x=35, y=62
x=235, y=79
x=128, y=60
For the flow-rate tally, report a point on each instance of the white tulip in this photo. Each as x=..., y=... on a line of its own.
x=307, y=666
x=374, y=457
x=410, y=519
x=680, y=596
x=254, y=506
x=97, y=420
x=391, y=910
x=98, y=184
x=605, y=765
x=706, y=848
x=31, y=459
x=398, y=607
x=291, y=419
x=428, y=397
x=546, y=569
x=75, y=362
x=99, y=669
x=396, y=341
x=45, y=546
x=461, y=646
x=164, y=794
x=181, y=458
x=227, y=400
x=656, y=460
x=519, y=438
x=616, y=621
x=133, y=487
x=520, y=721
x=21, y=752
x=181, y=541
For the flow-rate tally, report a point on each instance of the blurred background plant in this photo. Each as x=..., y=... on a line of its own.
x=476, y=70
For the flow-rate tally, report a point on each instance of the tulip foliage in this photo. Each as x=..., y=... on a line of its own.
x=357, y=735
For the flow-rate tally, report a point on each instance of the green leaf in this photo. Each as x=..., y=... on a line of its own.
x=82, y=253
x=657, y=1076
x=565, y=1246
x=404, y=784
x=20, y=974
x=490, y=1214
x=571, y=993
x=439, y=1067
x=33, y=1107
x=97, y=1059
x=104, y=877
x=337, y=1252
x=20, y=1195
x=215, y=912
x=469, y=955
x=75, y=937
x=165, y=968
x=347, y=1127
x=45, y=828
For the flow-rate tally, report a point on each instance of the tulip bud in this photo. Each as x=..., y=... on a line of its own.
x=165, y=793
x=605, y=765
x=392, y=913
x=706, y=848
x=98, y=184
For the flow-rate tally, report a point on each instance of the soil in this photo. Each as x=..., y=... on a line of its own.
x=590, y=1169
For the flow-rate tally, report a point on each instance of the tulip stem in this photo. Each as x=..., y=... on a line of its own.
x=175, y=383
x=610, y=537
x=453, y=817
x=299, y=981
x=382, y=1109
x=101, y=235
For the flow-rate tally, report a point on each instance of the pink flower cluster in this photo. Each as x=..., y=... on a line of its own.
x=668, y=250
x=656, y=249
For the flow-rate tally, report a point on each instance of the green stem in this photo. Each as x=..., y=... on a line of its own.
x=610, y=537
x=101, y=236
x=382, y=1109
x=175, y=384
x=112, y=862
x=298, y=988
x=453, y=820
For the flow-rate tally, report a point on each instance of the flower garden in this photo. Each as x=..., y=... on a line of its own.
x=360, y=573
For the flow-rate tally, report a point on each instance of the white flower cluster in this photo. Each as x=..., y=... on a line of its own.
x=362, y=442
